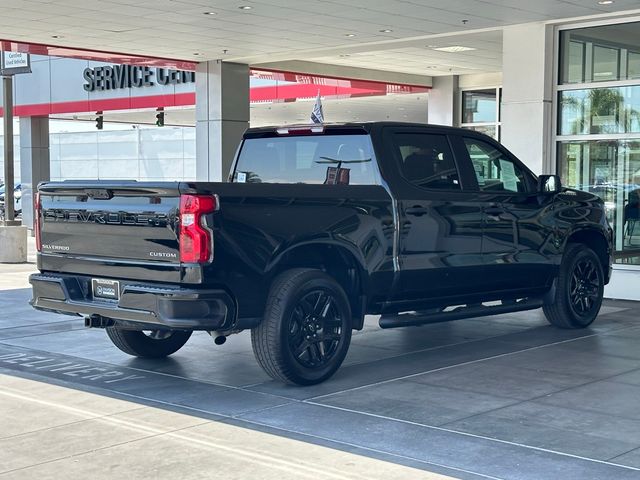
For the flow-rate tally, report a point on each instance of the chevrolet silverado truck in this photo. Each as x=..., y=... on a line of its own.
x=317, y=227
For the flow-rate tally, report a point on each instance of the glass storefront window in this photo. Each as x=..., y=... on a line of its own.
x=479, y=106
x=611, y=170
x=481, y=111
x=600, y=111
x=599, y=128
x=600, y=54
x=633, y=65
x=605, y=63
x=576, y=62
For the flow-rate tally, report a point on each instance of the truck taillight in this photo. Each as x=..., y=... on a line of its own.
x=196, y=238
x=37, y=227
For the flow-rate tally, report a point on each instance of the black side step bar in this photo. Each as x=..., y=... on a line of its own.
x=467, y=311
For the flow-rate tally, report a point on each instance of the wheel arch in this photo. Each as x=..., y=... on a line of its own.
x=597, y=241
x=336, y=260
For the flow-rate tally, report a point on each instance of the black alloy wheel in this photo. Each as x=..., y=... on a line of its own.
x=584, y=287
x=158, y=334
x=576, y=298
x=315, y=329
x=306, y=330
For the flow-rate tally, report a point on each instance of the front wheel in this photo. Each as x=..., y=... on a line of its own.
x=306, y=330
x=579, y=289
x=148, y=343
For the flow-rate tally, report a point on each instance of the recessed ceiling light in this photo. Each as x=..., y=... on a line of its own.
x=386, y=30
x=605, y=2
x=245, y=7
x=454, y=49
x=209, y=13
x=349, y=35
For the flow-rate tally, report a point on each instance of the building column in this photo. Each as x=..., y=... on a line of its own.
x=222, y=116
x=527, y=94
x=443, y=105
x=34, y=161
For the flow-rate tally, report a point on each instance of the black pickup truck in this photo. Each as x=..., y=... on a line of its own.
x=317, y=227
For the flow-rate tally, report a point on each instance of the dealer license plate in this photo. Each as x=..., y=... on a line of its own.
x=105, y=289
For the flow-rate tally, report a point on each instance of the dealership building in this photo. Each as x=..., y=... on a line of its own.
x=559, y=85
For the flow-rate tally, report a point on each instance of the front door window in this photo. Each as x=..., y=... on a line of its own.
x=495, y=172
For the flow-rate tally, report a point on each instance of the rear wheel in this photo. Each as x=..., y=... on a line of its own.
x=148, y=343
x=579, y=289
x=306, y=330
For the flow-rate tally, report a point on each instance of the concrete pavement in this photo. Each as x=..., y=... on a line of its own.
x=53, y=432
x=506, y=397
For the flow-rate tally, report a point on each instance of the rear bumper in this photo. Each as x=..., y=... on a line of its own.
x=141, y=304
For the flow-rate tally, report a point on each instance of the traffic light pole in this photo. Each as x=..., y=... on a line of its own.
x=7, y=91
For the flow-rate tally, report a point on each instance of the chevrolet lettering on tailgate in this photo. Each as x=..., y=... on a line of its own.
x=111, y=218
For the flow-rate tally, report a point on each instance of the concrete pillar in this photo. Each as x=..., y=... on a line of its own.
x=527, y=94
x=443, y=105
x=34, y=161
x=222, y=116
x=13, y=244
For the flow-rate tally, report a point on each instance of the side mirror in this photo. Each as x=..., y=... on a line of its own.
x=549, y=184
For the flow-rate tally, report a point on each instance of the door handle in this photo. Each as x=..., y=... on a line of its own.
x=416, y=210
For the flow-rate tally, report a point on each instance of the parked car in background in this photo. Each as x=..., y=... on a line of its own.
x=17, y=200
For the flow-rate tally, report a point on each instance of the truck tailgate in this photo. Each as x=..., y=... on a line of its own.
x=124, y=230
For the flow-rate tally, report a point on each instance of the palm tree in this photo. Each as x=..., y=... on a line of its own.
x=605, y=106
x=602, y=110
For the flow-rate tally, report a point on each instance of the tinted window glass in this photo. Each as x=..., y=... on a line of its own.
x=317, y=159
x=602, y=53
x=495, y=171
x=605, y=63
x=427, y=161
x=479, y=106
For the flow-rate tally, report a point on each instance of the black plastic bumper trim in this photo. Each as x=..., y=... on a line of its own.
x=148, y=304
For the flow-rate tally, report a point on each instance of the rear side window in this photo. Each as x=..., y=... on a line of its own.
x=426, y=160
x=314, y=159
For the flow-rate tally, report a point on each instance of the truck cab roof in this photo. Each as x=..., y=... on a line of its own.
x=357, y=127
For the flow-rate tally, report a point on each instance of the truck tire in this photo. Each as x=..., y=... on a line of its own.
x=579, y=289
x=306, y=330
x=148, y=343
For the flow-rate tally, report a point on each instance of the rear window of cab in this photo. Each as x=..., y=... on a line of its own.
x=308, y=159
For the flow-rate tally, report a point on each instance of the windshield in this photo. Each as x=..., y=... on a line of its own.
x=314, y=159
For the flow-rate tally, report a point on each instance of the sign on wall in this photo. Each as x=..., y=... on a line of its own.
x=15, y=62
x=128, y=76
